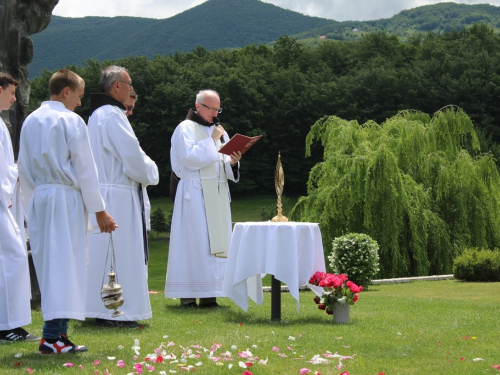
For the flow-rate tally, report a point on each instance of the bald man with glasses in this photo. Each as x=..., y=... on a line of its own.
x=201, y=221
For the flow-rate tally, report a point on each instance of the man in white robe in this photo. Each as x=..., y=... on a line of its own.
x=60, y=187
x=15, y=310
x=124, y=172
x=201, y=221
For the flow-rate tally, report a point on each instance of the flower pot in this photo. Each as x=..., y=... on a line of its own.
x=341, y=313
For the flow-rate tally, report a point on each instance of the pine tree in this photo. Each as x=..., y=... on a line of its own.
x=158, y=222
x=410, y=184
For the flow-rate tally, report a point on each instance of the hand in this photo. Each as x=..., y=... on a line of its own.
x=10, y=202
x=217, y=133
x=105, y=222
x=235, y=158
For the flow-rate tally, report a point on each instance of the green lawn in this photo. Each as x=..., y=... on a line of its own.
x=425, y=327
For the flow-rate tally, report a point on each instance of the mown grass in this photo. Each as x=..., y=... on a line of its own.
x=433, y=327
x=425, y=327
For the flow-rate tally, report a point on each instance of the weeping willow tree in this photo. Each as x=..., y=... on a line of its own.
x=410, y=184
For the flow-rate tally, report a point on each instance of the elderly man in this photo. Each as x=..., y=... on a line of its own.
x=15, y=280
x=124, y=172
x=201, y=222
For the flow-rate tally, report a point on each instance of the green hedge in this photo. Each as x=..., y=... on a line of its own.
x=477, y=265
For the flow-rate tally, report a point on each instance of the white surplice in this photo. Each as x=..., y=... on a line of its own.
x=15, y=291
x=59, y=182
x=122, y=166
x=192, y=272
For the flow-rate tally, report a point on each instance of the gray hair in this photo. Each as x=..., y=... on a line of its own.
x=109, y=76
x=202, y=94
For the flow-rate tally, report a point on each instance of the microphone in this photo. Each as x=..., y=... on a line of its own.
x=216, y=123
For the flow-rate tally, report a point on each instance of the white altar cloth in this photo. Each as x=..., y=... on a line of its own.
x=291, y=251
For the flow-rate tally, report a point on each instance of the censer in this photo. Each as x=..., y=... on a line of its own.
x=111, y=293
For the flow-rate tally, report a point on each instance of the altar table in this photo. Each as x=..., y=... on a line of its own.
x=290, y=251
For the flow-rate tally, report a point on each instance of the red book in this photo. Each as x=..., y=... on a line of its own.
x=239, y=143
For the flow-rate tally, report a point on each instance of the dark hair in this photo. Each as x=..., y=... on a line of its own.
x=64, y=78
x=6, y=80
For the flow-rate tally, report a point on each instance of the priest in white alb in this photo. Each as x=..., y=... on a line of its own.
x=124, y=173
x=201, y=222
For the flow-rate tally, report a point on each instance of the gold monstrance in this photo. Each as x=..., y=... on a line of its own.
x=279, y=184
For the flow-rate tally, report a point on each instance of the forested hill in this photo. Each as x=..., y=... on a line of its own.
x=214, y=24
x=219, y=24
x=438, y=18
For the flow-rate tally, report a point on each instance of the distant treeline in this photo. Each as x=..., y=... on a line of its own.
x=281, y=91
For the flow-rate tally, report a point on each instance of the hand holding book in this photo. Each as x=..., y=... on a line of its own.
x=238, y=142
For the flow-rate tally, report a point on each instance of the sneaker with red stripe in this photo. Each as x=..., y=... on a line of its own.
x=62, y=345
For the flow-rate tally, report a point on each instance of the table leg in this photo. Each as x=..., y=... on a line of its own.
x=275, y=298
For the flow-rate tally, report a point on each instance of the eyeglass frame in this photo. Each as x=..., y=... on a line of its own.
x=128, y=83
x=219, y=110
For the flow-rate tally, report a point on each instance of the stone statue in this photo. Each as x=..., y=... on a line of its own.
x=18, y=20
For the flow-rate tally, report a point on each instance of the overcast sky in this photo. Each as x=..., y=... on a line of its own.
x=339, y=10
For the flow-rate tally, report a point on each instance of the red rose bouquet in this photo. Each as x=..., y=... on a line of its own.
x=337, y=288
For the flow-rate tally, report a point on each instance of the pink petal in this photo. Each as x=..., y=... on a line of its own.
x=96, y=362
x=68, y=364
x=304, y=371
x=275, y=349
x=30, y=371
x=243, y=355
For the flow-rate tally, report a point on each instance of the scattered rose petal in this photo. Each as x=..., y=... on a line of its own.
x=275, y=349
x=120, y=363
x=30, y=371
x=18, y=355
x=263, y=361
x=120, y=347
x=249, y=364
x=17, y=364
x=96, y=362
x=111, y=358
x=247, y=373
x=230, y=366
x=462, y=358
x=254, y=346
x=478, y=359
x=243, y=354
x=198, y=364
x=234, y=347
x=282, y=355
x=242, y=364
x=80, y=367
x=291, y=338
x=241, y=324
x=304, y=371
x=69, y=364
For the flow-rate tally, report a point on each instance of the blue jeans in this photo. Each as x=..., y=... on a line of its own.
x=54, y=328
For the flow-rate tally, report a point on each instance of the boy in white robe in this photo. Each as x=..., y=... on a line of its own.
x=15, y=310
x=195, y=269
x=124, y=172
x=60, y=186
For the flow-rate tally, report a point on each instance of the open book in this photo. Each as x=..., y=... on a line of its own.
x=239, y=143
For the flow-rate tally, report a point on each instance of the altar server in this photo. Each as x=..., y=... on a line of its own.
x=201, y=222
x=15, y=310
x=60, y=186
x=124, y=172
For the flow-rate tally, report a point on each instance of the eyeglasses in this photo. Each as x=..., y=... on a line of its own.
x=130, y=108
x=128, y=83
x=218, y=110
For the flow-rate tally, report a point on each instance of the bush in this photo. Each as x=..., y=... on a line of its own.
x=355, y=254
x=477, y=265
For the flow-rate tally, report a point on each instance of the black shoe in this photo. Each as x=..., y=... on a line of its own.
x=190, y=304
x=209, y=305
x=116, y=323
x=62, y=345
x=17, y=334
